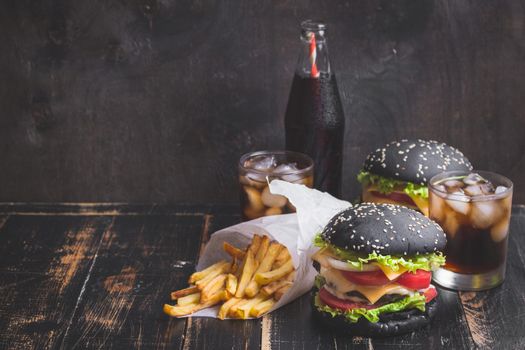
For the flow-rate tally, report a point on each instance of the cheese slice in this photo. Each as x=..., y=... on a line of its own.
x=389, y=273
x=321, y=257
x=422, y=203
x=340, y=285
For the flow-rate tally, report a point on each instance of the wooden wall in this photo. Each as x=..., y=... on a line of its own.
x=155, y=100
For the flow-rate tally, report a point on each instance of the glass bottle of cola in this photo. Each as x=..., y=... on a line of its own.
x=314, y=120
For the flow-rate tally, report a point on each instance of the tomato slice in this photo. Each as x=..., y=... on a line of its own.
x=341, y=304
x=368, y=278
x=396, y=196
x=418, y=280
x=430, y=294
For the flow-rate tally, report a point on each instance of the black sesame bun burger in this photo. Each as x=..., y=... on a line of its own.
x=376, y=263
x=398, y=173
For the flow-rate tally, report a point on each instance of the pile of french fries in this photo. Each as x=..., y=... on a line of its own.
x=248, y=286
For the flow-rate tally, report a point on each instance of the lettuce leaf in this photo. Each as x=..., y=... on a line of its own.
x=319, y=281
x=386, y=185
x=416, y=301
x=425, y=262
x=416, y=190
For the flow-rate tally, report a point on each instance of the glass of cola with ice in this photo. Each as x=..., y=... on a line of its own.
x=474, y=211
x=257, y=168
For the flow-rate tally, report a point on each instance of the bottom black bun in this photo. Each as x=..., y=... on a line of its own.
x=389, y=324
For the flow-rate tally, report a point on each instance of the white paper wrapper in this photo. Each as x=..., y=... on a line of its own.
x=295, y=231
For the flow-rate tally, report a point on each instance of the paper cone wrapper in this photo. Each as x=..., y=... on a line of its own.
x=295, y=231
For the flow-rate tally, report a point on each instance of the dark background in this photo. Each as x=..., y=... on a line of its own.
x=154, y=101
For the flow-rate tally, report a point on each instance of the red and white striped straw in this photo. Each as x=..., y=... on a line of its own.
x=313, y=56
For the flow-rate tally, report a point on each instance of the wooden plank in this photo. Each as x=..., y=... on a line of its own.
x=495, y=317
x=3, y=220
x=113, y=209
x=209, y=333
x=44, y=262
x=140, y=261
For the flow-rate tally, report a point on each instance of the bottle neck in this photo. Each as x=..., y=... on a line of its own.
x=313, y=58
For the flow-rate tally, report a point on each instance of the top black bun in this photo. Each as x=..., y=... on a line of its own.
x=416, y=161
x=386, y=229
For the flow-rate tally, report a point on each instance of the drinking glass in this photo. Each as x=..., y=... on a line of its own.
x=256, y=169
x=474, y=211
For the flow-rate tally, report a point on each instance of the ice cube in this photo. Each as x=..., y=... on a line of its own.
x=272, y=200
x=258, y=181
x=500, y=189
x=273, y=211
x=499, y=231
x=259, y=178
x=459, y=203
x=440, y=188
x=295, y=178
x=254, y=198
x=474, y=179
x=453, y=185
x=285, y=168
x=473, y=190
x=485, y=213
x=437, y=208
x=451, y=225
x=265, y=163
x=487, y=188
x=251, y=213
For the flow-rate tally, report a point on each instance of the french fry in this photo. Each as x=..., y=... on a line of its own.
x=212, y=287
x=225, y=308
x=269, y=289
x=235, y=265
x=189, y=299
x=263, y=248
x=282, y=258
x=206, y=280
x=212, y=269
x=233, y=251
x=246, y=275
x=244, y=310
x=262, y=307
x=233, y=310
x=183, y=292
x=177, y=311
x=280, y=292
x=291, y=276
x=253, y=247
x=248, y=285
x=273, y=250
x=270, y=276
x=231, y=284
x=256, y=243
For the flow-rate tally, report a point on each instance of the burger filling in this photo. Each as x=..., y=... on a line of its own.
x=358, y=286
x=379, y=189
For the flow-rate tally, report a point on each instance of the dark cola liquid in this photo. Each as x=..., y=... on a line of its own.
x=315, y=124
x=473, y=251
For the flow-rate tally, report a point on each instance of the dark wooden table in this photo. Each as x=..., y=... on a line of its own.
x=96, y=276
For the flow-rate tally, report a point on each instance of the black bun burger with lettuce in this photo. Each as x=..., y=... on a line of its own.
x=376, y=263
x=398, y=173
